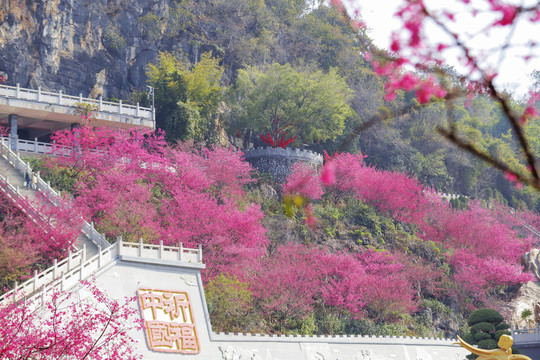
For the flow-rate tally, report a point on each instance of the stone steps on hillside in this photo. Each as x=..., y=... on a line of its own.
x=17, y=180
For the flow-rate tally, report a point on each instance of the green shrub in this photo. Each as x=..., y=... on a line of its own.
x=150, y=26
x=330, y=323
x=498, y=334
x=302, y=326
x=482, y=327
x=487, y=344
x=468, y=338
x=61, y=179
x=481, y=336
x=502, y=326
x=230, y=305
x=485, y=315
x=486, y=328
x=112, y=39
x=526, y=313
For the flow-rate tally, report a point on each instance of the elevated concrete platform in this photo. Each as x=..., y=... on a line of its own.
x=39, y=113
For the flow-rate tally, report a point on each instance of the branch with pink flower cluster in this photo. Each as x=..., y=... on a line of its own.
x=411, y=55
x=97, y=327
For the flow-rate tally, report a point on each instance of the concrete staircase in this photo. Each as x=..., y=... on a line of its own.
x=12, y=184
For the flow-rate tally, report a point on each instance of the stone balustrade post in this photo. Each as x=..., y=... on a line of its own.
x=100, y=256
x=34, y=281
x=62, y=281
x=180, y=251
x=119, y=243
x=160, y=255
x=12, y=120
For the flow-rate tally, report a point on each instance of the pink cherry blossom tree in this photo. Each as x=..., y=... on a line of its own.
x=480, y=243
x=39, y=234
x=68, y=327
x=296, y=279
x=131, y=183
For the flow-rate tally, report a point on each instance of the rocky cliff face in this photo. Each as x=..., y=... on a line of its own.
x=97, y=47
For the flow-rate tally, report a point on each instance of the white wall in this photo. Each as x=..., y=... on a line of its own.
x=123, y=278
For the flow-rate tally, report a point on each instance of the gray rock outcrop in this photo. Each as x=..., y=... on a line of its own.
x=93, y=47
x=531, y=262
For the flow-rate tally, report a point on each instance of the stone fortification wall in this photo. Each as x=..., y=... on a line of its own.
x=278, y=162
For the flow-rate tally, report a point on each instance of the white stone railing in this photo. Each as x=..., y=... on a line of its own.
x=525, y=225
x=66, y=100
x=45, y=187
x=68, y=272
x=440, y=195
x=289, y=153
x=32, y=146
x=38, y=147
x=526, y=336
x=13, y=193
x=173, y=253
x=57, y=270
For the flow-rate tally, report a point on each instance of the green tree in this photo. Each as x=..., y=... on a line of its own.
x=485, y=328
x=186, y=98
x=150, y=26
x=307, y=103
x=180, y=17
x=230, y=304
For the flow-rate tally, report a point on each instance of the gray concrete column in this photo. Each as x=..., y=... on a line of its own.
x=13, y=131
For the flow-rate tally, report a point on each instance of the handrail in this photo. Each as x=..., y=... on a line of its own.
x=76, y=266
x=15, y=160
x=48, y=275
x=33, y=146
x=12, y=192
x=60, y=98
x=176, y=253
x=526, y=335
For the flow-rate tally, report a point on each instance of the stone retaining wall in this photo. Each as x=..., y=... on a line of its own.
x=278, y=162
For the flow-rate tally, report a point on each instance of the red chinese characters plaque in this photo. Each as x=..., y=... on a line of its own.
x=168, y=321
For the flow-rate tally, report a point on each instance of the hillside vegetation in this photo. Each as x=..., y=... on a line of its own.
x=370, y=251
x=267, y=75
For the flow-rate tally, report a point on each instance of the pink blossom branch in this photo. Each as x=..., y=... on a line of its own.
x=413, y=14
